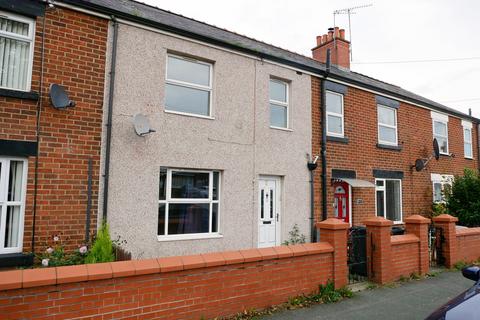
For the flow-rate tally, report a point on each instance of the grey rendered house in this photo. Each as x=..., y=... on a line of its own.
x=226, y=166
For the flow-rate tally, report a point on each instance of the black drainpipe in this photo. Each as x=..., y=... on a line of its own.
x=324, y=139
x=108, y=141
x=312, y=165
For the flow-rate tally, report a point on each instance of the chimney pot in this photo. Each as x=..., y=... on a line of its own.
x=337, y=34
x=330, y=35
x=324, y=38
x=342, y=34
x=319, y=40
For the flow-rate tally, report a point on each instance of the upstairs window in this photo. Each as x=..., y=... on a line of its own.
x=278, y=104
x=467, y=139
x=335, y=121
x=16, y=51
x=440, y=131
x=387, y=125
x=188, y=87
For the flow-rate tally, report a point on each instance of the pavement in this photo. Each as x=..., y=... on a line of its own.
x=410, y=300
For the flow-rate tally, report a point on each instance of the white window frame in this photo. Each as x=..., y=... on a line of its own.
x=384, y=189
x=387, y=126
x=440, y=118
x=169, y=199
x=4, y=203
x=30, y=39
x=467, y=125
x=185, y=84
x=442, y=179
x=338, y=115
x=280, y=103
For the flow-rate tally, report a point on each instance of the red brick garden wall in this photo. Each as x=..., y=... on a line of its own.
x=189, y=287
x=405, y=257
x=468, y=244
x=75, y=51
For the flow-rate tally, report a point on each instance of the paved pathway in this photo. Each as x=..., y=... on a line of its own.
x=412, y=300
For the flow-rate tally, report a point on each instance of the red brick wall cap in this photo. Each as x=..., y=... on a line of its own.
x=445, y=218
x=404, y=239
x=417, y=219
x=333, y=224
x=70, y=274
x=39, y=277
x=378, y=221
x=11, y=280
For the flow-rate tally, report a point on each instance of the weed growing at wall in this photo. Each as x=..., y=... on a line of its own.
x=295, y=236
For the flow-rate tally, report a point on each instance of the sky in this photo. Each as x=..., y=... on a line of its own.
x=387, y=31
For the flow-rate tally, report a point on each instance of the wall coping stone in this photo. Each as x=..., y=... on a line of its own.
x=404, y=239
x=28, y=278
x=333, y=224
x=378, y=221
x=445, y=218
x=417, y=219
x=468, y=232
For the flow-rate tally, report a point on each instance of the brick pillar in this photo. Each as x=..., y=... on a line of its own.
x=379, y=249
x=449, y=238
x=418, y=226
x=335, y=232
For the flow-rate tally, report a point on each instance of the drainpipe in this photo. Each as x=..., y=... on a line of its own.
x=108, y=141
x=312, y=165
x=324, y=138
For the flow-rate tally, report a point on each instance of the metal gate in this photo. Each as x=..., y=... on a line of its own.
x=435, y=243
x=357, y=254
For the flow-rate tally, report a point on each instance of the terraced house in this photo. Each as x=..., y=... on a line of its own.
x=189, y=138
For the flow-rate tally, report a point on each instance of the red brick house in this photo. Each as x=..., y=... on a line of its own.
x=55, y=164
x=45, y=152
x=374, y=134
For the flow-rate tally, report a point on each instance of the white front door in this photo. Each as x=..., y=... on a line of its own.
x=269, y=212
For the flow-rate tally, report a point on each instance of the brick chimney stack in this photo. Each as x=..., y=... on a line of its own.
x=339, y=48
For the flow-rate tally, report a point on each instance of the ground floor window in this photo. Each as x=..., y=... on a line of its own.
x=13, y=173
x=188, y=202
x=389, y=199
x=440, y=183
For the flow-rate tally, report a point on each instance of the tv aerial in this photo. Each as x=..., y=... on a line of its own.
x=421, y=163
x=349, y=11
x=59, y=97
x=141, y=125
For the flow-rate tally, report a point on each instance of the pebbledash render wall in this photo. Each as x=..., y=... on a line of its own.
x=361, y=154
x=237, y=141
x=75, y=48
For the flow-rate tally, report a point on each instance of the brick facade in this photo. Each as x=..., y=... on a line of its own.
x=361, y=154
x=75, y=51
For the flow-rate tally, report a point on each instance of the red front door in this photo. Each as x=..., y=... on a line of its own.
x=341, y=202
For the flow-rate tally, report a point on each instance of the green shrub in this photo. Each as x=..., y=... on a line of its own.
x=295, y=236
x=463, y=198
x=102, y=249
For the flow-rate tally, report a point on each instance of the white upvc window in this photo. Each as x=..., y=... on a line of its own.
x=17, y=35
x=335, y=114
x=387, y=125
x=279, y=104
x=439, y=183
x=388, y=199
x=13, y=185
x=440, y=131
x=467, y=139
x=189, y=204
x=188, y=87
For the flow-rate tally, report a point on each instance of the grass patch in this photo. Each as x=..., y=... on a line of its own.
x=325, y=294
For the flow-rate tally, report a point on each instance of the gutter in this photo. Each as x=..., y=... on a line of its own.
x=324, y=138
x=108, y=142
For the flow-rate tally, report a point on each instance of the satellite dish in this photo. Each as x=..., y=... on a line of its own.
x=141, y=124
x=419, y=164
x=436, y=149
x=59, y=97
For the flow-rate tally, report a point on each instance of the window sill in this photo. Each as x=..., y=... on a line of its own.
x=389, y=147
x=189, y=115
x=469, y=158
x=28, y=95
x=282, y=129
x=193, y=236
x=337, y=139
